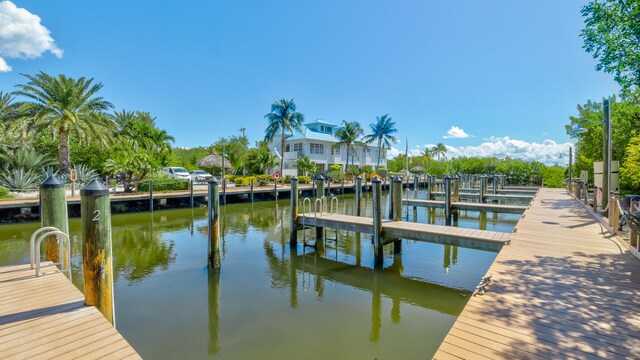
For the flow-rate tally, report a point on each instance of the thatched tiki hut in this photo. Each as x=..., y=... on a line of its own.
x=417, y=169
x=213, y=163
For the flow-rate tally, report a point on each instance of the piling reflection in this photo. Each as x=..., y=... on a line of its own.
x=214, y=311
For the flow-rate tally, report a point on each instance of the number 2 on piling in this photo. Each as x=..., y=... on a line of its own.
x=97, y=215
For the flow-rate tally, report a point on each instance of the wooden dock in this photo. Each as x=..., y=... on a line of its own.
x=490, y=197
x=499, y=208
x=469, y=238
x=564, y=288
x=45, y=318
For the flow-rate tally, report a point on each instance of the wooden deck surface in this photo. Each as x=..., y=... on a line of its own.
x=564, y=288
x=470, y=238
x=45, y=318
x=500, y=208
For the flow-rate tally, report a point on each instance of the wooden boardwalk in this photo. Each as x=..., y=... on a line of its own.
x=564, y=288
x=500, y=208
x=45, y=318
x=469, y=238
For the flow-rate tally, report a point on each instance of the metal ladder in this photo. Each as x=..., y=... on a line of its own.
x=64, y=246
x=335, y=230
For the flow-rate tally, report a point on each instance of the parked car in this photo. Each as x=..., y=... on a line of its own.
x=200, y=175
x=177, y=172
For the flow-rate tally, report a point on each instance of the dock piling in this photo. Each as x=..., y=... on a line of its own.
x=213, y=213
x=447, y=200
x=191, y=194
x=251, y=191
x=358, y=195
x=456, y=196
x=397, y=210
x=320, y=186
x=97, y=266
x=293, y=224
x=151, y=196
x=53, y=212
x=483, y=189
x=377, y=222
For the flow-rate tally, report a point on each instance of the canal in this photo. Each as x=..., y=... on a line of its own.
x=272, y=302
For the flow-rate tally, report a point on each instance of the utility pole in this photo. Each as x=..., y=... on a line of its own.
x=606, y=154
x=244, y=168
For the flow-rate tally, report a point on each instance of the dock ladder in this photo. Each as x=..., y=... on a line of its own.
x=64, y=246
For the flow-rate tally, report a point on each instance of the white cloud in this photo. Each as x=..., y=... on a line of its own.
x=22, y=35
x=4, y=67
x=456, y=133
x=547, y=152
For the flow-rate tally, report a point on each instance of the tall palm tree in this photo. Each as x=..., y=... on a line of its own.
x=440, y=151
x=8, y=113
x=381, y=133
x=427, y=156
x=65, y=106
x=282, y=118
x=348, y=135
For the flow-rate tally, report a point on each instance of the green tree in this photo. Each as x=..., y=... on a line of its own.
x=236, y=148
x=439, y=151
x=348, y=136
x=630, y=171
x=260, y=159
x=306, y=166
x=612, y=35
x=64, y=106
x=381, y=132
x=9, y=137
x=283, y=118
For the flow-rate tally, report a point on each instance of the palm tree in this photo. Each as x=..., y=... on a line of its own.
x=282, y=118
x=8, y=113
x=440, y=151
x=64, y=107
x=348, y=135
x=427, y=156
x=305, y=165
x=381, y=132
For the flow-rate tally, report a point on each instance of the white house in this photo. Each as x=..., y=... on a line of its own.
x=316, y=142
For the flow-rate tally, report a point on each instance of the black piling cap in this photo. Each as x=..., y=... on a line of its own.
x=397, y=179
x=52, y=182
x=320, y=177
x=213, y=180
x=94, y=187
x=375, y=180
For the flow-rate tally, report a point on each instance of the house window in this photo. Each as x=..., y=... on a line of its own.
x=368, y=152
x=287, y=147
x=325, y=128
x=297, y=147
x=335, y=150
x=317, y=148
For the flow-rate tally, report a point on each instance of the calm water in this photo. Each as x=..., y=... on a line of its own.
x=271, y=302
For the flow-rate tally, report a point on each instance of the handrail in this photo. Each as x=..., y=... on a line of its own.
x=65, y=238
x=324, y=204
x=315, y=207
x=337, y=204
x=32, y=247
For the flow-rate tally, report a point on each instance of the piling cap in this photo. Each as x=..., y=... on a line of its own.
x=375, y=180
x=359, y=177
x=213, y=180
x=397, y=179
x=94, y=187
x=320, y=177
x=52, y=182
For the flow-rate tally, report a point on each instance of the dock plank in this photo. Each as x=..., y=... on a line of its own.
x=53, y=323
x=562, y=289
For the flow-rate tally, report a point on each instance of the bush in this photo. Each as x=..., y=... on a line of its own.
x=367, y=169
x=285, y=180
x=372, y=176
x=20, y=180
x=231, y=178
x=383, y=172
x=304, y=179
x=4, y=193
x=264, y=179
x=336, y=176
x=244, y=180
x=164, y=184
x=335, y=167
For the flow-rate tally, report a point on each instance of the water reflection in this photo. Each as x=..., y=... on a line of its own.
x=214, y=311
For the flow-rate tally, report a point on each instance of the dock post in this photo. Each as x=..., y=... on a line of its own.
x=275, y=189
x=53, y=212
x=251, y=190
x=483, y=188
x=456, y=196
x=390, y=198
x=213, y=214
x=447, y=200
x=293, y=226
x=595, y=198
x=428, y=187
x=358, y=195
x=151, y=196
x=586, y=193
x=320, y=186
x=614, y=213
x=415, y=182
x=397, y=210
x=342, y=187
x=191, y=194
x=377, y=222
x=495, y=184
x=224, y=191
x=97, y=266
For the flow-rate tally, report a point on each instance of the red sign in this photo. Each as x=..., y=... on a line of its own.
x=74, y=175
x=276, y=175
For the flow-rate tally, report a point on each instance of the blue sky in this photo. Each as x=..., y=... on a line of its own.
x=506, y=73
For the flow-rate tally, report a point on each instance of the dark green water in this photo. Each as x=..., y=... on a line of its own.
x=271, y=302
